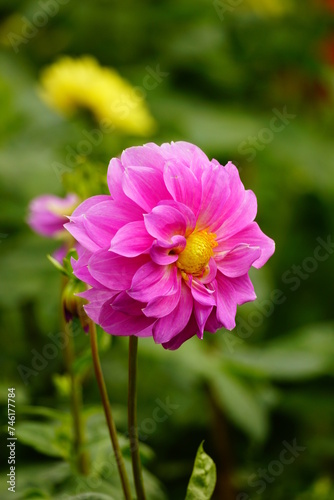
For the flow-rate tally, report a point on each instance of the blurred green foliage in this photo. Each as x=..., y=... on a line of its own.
x=222, y=78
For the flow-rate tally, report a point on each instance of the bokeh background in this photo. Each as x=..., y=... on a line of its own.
x=250, y=81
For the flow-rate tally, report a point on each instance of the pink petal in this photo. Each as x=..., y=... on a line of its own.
x=83, y=274
x=240, y=209
x=215, y=193
x=164, y=222
x=152, y=280
x=202, y=313
x=114, y=271
x=239, y=260
x=114, y=214
x=127, y=305
x=199, y=163
x=189, y=331
x=80, y=269
x=103, y=220
x=242, y=217
x=168, y=326
x=183, y=185
x=162, y=254
x=89, y=203
x=143, y=156
x=250, y=235
x=79, y=232
x=131, y=240
x=98, y=225
x=53, y=203
x=212, y=268
x=77, y=228
x=114, y=179
x=183, y=151
x=92, y=312
x=212, y=324
x=97, y=297
x=230, y=292
x=243, y=288
x=185, y=211
x=162, y=306
x=202, y=294
x=145, y=186
x=226, y=301
x=118, y=323
x=48, y=225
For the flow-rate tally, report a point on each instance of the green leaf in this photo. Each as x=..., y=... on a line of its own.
x=93, y=496
x=62, y=384
x=302, y=354
x=66, y=267
x=39, y=480
x=317, y=339
x=56, y=264
x=240, y=402
x=46, y=412
x=67, y=262
x=50, y=439
x=35, y=494
x=278, y=363
x=203, y=478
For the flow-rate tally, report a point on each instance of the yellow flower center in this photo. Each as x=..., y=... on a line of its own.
x=197, y=253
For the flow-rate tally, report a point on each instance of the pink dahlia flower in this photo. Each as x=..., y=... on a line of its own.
x=167, y=254
x=47, y=216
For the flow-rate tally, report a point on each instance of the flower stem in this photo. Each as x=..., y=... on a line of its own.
x=81, y=455
x=107, y=411
x=132, y=418
x=76, y=406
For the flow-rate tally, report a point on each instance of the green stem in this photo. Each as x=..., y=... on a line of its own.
x=107, y=411
x=132, y=418
x=76, y=409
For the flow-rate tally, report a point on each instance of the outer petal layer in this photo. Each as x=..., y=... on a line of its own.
x=169, y=326
x=114, y=271
x=253, y=236
x=239, y=260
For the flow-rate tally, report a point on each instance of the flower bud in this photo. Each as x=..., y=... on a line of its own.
x=72, y=303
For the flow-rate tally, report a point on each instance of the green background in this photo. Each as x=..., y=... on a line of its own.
x=228, y=73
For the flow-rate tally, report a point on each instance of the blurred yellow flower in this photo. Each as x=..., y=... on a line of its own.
x=269, y=7
x=70, y=84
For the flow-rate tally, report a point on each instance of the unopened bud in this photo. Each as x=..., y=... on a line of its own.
x=73, y=304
